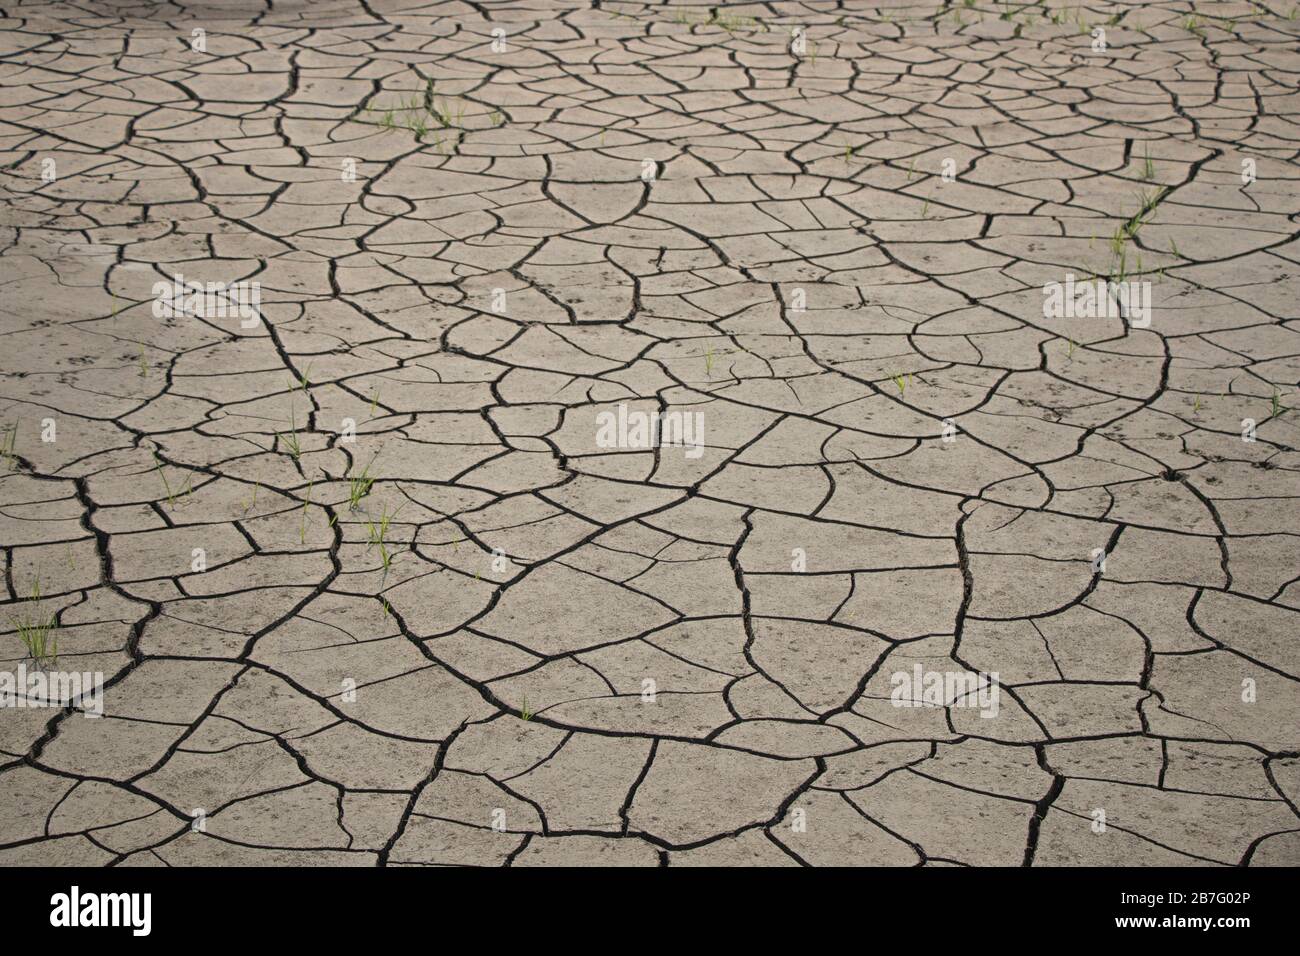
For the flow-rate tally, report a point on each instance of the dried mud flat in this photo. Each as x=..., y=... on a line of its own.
x=820, y=235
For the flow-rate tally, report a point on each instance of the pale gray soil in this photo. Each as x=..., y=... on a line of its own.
x=523, y=647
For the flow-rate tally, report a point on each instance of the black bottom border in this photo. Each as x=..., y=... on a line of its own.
x=270, y=906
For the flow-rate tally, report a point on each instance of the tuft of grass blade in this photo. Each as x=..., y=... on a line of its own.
x=37, y=632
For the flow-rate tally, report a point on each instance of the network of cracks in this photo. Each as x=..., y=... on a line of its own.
x=379, y=563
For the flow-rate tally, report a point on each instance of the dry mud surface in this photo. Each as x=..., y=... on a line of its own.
x=825, y=229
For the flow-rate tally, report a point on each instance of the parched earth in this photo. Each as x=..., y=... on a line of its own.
x=378, y=567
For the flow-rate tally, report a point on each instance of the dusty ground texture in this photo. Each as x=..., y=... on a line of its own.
x=520, y=647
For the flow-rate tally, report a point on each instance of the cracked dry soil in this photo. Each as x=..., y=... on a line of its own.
x=823, y=228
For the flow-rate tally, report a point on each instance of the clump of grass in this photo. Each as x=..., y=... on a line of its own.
x=292, y=442
x=441, y=110
x=1128, y=231
x=377, y=535
x=1148, y=167
x=526, y=712
x=1148, y=202
x=186, y=490
x=290, y=438
x=303, y=378
x=359, y=486
x=733, y=23
x=424, y=111
x=1117, y=240
x=1119, y=264
x=902, y=381
x=36, y=631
